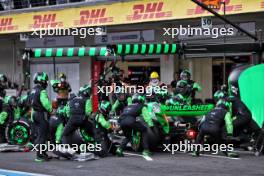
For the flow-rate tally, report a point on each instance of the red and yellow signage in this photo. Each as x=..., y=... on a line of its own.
x=152, y=10
x=93, y=17
x=119, y=13
x=44, y=21
x=6, y=24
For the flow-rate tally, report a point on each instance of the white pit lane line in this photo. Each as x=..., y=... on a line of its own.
x=134, y=154
x=219, y=156
x=214, y=156
x=4, y=172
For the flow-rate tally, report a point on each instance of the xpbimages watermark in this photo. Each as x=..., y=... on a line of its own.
x=198, y=31
x=148, y=90
x=66, y=147
x=82, y=32
x=186, y=146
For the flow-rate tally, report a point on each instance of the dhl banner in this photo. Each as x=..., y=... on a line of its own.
x=118, y=13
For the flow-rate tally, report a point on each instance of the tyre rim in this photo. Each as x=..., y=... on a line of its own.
x=19, y=134
x=86, y=136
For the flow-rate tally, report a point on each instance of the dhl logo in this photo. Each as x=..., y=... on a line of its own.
x=94, y=16
x=262, y=4
x=45, y=21
x=229, y=8
x=148, y=11
x=6, y=24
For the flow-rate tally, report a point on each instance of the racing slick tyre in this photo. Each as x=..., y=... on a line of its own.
x=18, y=132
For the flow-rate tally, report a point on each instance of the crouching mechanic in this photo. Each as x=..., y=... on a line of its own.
x=79, y=109
x=122, y=100
x=63, y=114
x=102, y=128
x=213, y=123
x=129, y=121
x=242, y=117
x=8, y=114
x=41, y=106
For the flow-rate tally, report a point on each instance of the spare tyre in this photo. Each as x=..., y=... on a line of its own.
x=18, y=132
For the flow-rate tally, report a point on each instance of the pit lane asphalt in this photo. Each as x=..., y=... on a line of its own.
x=163, y=164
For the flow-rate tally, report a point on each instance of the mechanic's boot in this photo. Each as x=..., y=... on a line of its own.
x=47, y=156
x=41, y=158
x=196, y=154
x=146, y=153
x=257, y=153
x=119, y=152
x=29, y=145
x=167, y=140
x=231, y=154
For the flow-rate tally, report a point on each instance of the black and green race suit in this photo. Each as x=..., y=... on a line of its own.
x=212, y=124
x=6, y=117
x=102, y=122
x=24, y=105
x=120, y=104
x=78, y=110
x=156, y=93
x=63, y=113
x=129, y=122
x=9, y=113
x=179, y=99
x=242, y=117
x=102, y=128
x=193, y=88
x=41, y=106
